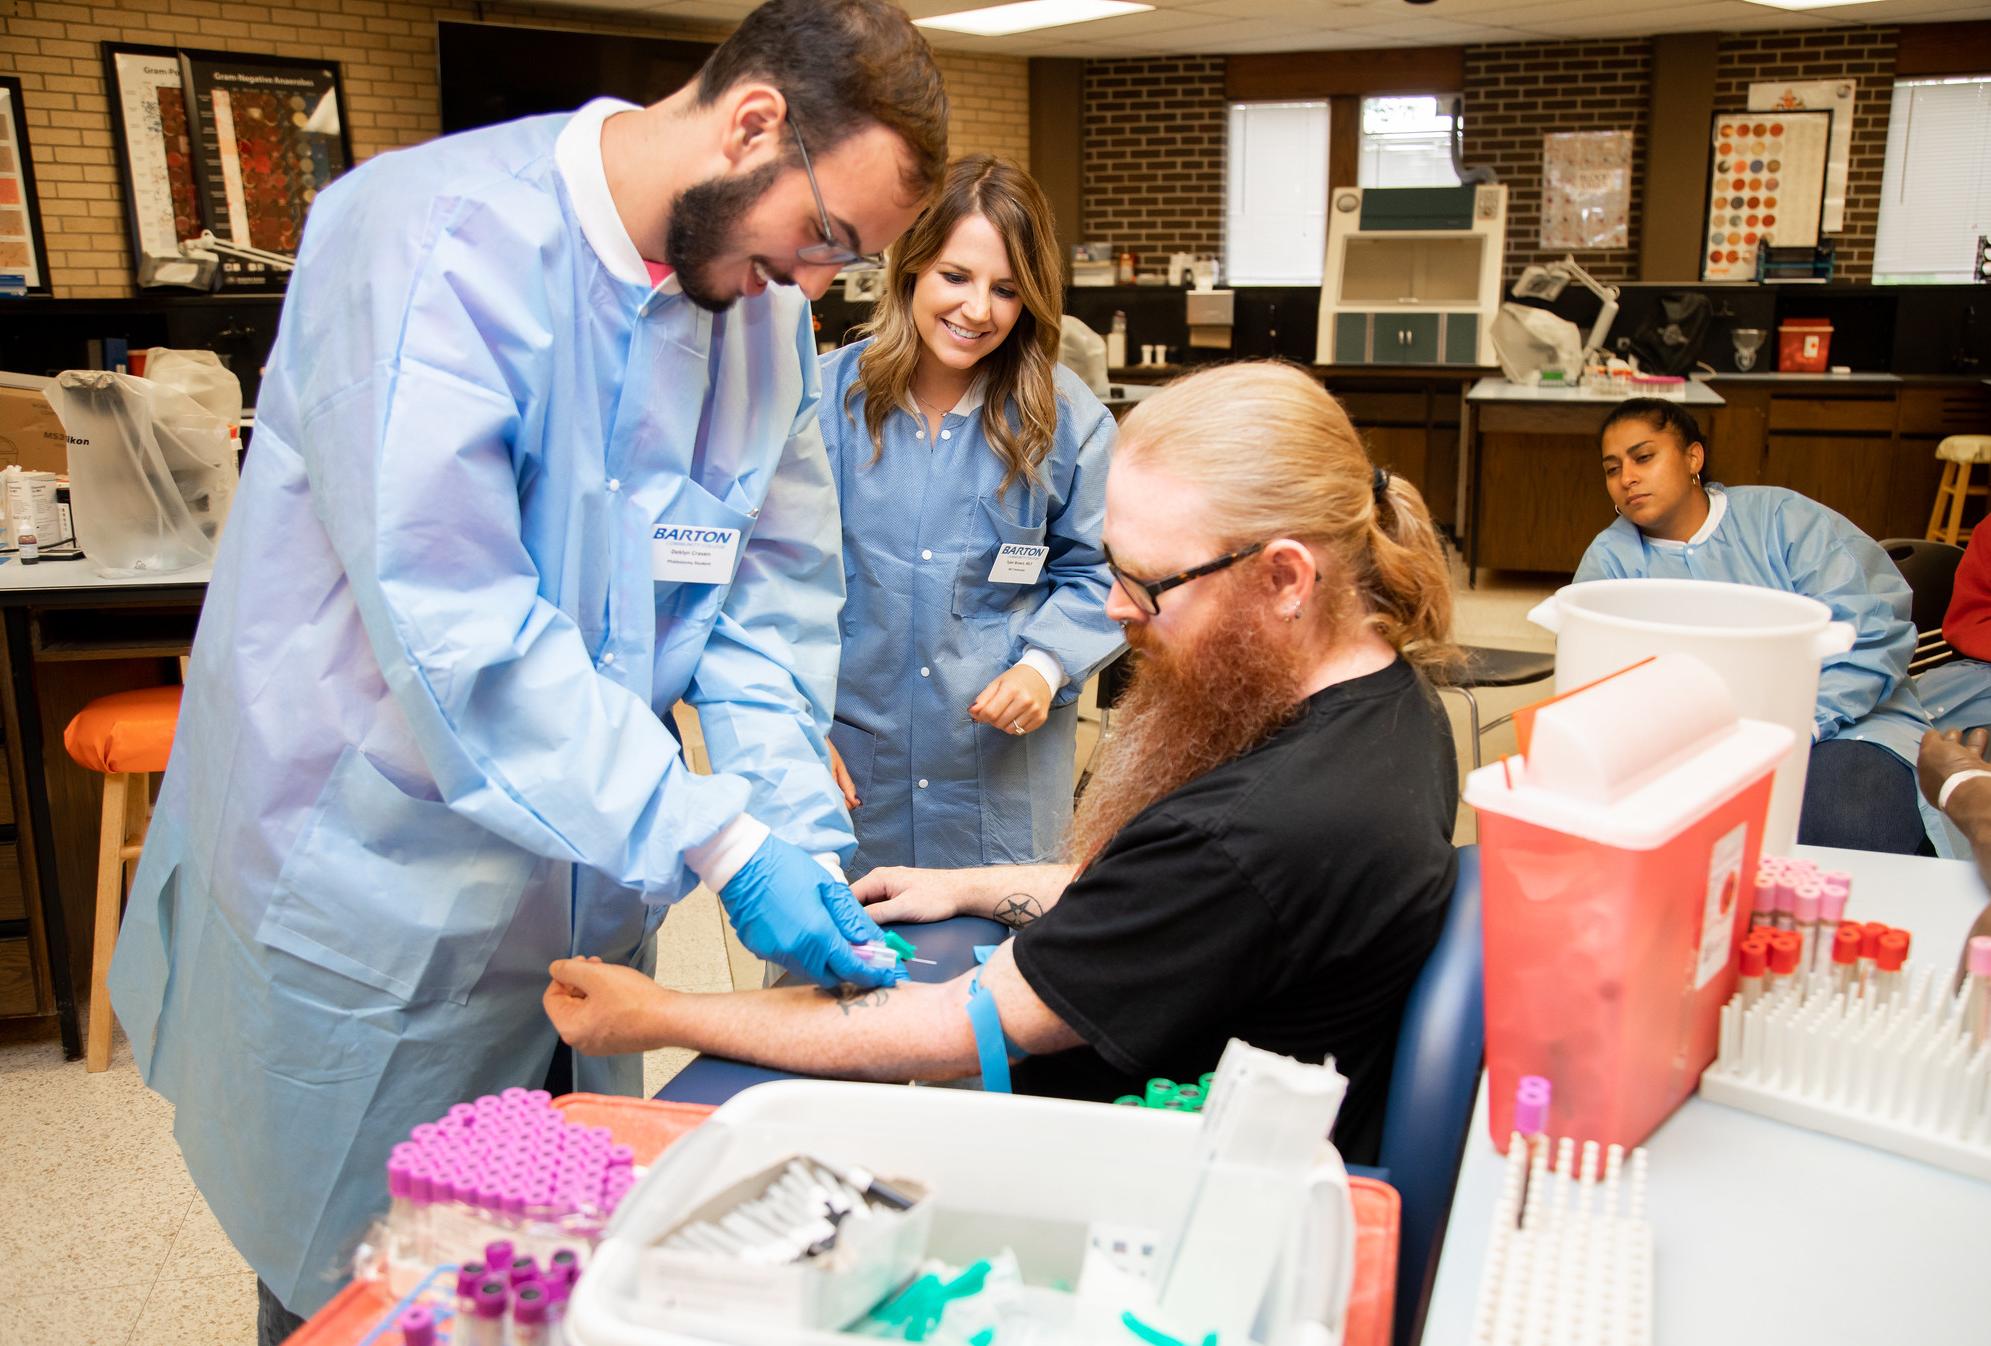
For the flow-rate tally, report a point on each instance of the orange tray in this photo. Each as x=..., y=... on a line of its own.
x=358, y=1313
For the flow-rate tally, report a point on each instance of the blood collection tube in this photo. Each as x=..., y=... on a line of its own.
x=1892, y=954
x=1755, y=958
x=529, y=1314
x=498, y=1256
x=1845, y=959
x=1785, y=949
x=468, y=1277
x=1531, y=1105
x=1804, y=908
x=418, y=1327
x=1786, y=899
x=486, y=1324
x=1763, y=907
x=1831, y=911
x=1870, y=934
x=523, y=1269
x=1977, y=1007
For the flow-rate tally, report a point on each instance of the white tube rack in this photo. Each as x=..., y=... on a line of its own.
x=1570, y=1259
x=1894, y=1071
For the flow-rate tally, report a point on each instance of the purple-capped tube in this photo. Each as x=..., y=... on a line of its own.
x=513, y=1095
x=1531, y=1105
x=498, y=1256
x=468, y=1277
x=486, y=1324
x=621, y=1156
x=525, y=1268
x=539, y=1097
x=418, y=1326
x=531, y=1307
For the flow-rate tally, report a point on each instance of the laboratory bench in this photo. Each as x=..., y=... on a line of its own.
x=1764, y=1232
x=1409, y=417
x=70, y=635
x=1863, y=444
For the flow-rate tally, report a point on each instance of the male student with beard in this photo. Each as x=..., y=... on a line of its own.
x=1265, y=852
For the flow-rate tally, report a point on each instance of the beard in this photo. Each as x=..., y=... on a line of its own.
x=1189, y=708
x=705, y=220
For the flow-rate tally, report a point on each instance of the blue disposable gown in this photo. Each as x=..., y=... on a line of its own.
x=422, y=750
x=1777, y=539
x=925, y=630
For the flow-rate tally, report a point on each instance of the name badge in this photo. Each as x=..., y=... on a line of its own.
x=1018, y=564
x=691, y=554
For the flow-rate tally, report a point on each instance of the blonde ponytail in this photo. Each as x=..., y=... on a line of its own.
x=1275, y=456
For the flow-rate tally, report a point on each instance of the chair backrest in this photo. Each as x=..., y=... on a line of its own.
x=1930, y=569
x=1433, y=1086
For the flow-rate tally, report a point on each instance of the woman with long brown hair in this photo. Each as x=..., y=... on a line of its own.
x=971, y=470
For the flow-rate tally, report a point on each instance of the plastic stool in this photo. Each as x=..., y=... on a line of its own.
x=127, y=736
x=1958, y=453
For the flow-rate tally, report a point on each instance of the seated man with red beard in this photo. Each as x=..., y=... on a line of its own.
x=1265, y=851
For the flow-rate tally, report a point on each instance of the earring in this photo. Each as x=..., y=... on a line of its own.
x=1697, y=479
x=1292, y=614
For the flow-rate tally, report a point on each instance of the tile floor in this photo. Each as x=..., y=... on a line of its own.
x=105, y=1242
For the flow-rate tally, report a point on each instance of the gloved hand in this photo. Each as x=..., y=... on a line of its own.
x=787, y=909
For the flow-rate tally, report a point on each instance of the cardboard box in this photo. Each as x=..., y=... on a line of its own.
x=31, y=435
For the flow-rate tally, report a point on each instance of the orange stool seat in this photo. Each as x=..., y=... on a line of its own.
x=125, y=732
x=127, y=736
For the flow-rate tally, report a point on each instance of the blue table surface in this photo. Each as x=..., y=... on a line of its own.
x=951, y=946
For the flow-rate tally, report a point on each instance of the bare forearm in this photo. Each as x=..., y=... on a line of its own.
x=1016, y=895
x=896, y=1033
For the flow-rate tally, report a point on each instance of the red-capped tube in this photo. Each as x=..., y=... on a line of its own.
x=1893, y=951
x=1784, y=950
x=1755, y=957
x=1870, y=934
x=1846, y=944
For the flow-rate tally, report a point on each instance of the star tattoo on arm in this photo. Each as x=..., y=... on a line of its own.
x=850, y=998
x=1018, y=910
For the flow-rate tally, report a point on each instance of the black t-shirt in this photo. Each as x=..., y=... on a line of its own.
x=1288, y=897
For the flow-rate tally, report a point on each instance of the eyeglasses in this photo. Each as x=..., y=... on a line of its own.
x=1146, y=594
x=829, y=252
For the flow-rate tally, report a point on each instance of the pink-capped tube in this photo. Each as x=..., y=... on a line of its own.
x=1804, y=920
x=1532, y=1094
x=1785, y=917
x=1977, y=1005
x=1763, y=905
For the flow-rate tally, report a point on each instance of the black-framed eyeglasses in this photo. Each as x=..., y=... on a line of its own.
x=1146, y=594
x=829, y=252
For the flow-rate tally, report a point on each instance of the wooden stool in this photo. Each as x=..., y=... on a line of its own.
x=128, y=736
x=1957, y=452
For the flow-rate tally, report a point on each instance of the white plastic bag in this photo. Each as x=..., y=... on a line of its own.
x=151, y=471
x=201, y=376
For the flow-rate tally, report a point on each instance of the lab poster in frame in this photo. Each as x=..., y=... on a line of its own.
x=1586, y=189
x=23, y=249
x=1766, y=187
x=239, y=145
x=1835, y=96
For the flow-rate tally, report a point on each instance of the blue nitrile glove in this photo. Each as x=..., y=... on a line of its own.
x=787, y=909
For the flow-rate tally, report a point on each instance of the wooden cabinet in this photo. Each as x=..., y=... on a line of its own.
x=1409, y=420
x=1864, y=448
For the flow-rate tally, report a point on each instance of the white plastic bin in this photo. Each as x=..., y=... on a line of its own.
x=1766, y=645
x=1003, y=1170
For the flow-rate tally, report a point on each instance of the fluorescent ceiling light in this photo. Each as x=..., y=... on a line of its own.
x=1808, y=4
x=1002, y=20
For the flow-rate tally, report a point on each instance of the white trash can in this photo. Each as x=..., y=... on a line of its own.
x=1765, y=644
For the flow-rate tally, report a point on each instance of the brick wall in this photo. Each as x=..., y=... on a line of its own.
x=387, y=60
x=1518, y=92
x=1863, y=54
x=1155, y=130
x=1154, y=154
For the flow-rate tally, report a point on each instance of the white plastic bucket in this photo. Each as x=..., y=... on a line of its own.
x=1765, y=644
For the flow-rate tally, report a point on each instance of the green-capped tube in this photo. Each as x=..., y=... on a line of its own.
x=1159, y=1092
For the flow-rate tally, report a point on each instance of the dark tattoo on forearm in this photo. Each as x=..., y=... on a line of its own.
x=850, y=998
x=1018, y=910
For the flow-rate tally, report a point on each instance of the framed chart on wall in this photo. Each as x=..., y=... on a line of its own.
x=238, y=145
x=1766, y=187
x=23, y=249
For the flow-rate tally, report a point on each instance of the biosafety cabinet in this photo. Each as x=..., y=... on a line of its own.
x=1412, y=275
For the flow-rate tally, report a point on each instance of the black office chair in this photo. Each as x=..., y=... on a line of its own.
x=1485, y=667
x=1930, y=569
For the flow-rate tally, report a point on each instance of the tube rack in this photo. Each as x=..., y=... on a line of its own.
x=1570, y=1259
x=1891, y=1068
